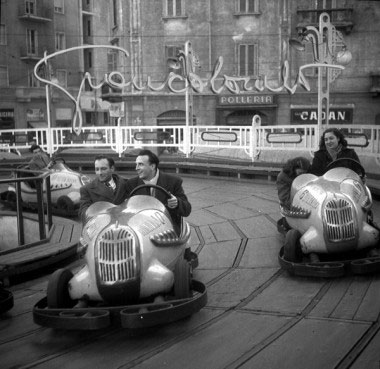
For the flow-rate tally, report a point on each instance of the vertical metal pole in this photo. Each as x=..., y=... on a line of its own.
x=20, y=216
x=48, y=112
x=186, y=137
x=40, y=207
x=48, y=203
x=325, y=50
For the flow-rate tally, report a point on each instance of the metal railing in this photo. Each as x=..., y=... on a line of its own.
x=253, y=139
x=43, y=204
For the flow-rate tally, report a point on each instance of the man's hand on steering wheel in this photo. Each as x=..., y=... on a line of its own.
x=172, y=202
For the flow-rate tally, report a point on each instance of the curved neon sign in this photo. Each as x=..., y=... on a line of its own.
x=217, y=84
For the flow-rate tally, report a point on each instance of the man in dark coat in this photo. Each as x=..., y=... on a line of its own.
x=40, y=159
x=107, y=186
x=148, y=173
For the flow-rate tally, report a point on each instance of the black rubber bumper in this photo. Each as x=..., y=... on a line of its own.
x=330, y=269
x=6, y=300
x=127, y=316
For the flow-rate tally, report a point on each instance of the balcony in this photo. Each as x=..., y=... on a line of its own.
x=87, y=7
x=27, y=94
x=375, y=84
x=35, y=15
x=341, y=18
x=29, y=57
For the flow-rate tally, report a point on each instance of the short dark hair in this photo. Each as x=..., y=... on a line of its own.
x=34, y=147
x=152, y=157
x=337, y=133
x=110, y=160
x=296, y=163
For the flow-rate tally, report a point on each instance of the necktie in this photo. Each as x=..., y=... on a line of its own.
x=111, y=185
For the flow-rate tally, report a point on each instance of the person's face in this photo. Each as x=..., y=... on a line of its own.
x=145, y=170
x=103, y=170
x=331, y=141
x=35, y=151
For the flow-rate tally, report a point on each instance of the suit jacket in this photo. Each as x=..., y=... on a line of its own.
x=322, y=159
x=97, y=191
x=171, y=183
x=284, y=185
x=39, y=161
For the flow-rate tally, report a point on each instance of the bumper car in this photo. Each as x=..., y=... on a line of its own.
x=64, y=186
x=6, y=300
x=137, y=271
x=329, y=228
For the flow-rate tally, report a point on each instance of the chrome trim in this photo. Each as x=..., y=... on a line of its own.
x=339, y=220
x=116, y=254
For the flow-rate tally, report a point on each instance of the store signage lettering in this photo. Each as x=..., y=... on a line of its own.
x=217, y=83
x=246, y=100
x=35, y=114
x=7, y=113
x=336, y=115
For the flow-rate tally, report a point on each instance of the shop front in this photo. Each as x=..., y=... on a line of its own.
x=7, y=121
x=309, y=114
x=238, y=110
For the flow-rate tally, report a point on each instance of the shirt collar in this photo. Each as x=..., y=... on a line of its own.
x=154, y=179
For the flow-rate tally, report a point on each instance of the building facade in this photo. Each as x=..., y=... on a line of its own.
x=239, y=54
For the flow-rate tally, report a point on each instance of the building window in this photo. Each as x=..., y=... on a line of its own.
x=87, y=5
x=247, y=6
x=114, y=13
x=32, y=80
x=171, y=52
x=89, y=27
x=31, y=41
x=112, y=60
x=248, y=59
x=174, y=8
x=4, y=82
x=89, y=59
x=30, y=7
x=61, y=75
x=60, y=43
x=325, y=4
x=3, y=34
x=59, y=6
x=3, y=29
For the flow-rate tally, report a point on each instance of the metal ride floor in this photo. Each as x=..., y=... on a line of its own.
x=257, y=316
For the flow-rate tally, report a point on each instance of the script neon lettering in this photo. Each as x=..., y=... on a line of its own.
x=233, y=84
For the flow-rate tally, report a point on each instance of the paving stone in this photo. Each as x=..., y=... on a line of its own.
x=237, y=286
x=207, y=234
x=224, y=231
x=203, y=217
x=311, y=344
x=231, y=211
x=220, y=344
x=218, y=254
x=261, y=253
x=257, y=227
x=287, y=295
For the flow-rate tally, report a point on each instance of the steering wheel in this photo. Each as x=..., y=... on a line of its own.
x=167, y=193
x=348, y=163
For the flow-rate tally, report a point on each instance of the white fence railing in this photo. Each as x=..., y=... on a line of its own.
x=252, y=140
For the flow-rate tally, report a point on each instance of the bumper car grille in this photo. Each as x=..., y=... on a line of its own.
x=339, y=218
x=117, y=255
